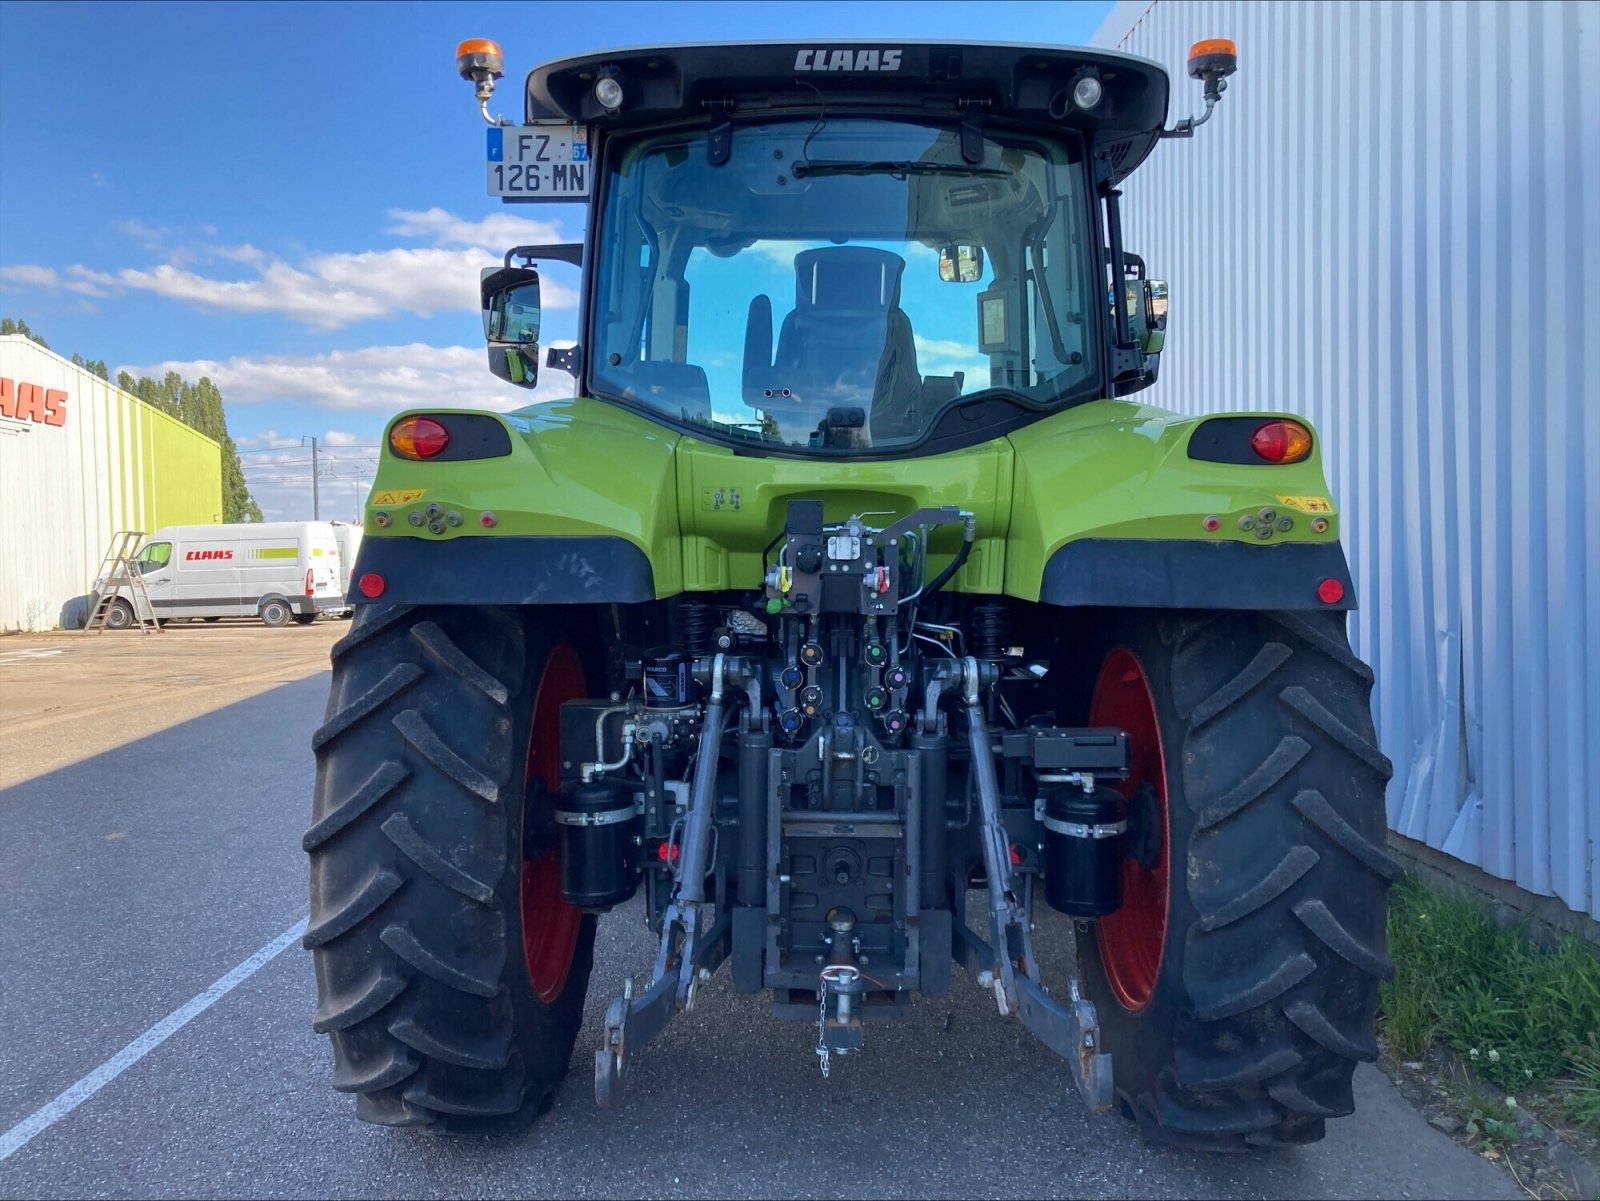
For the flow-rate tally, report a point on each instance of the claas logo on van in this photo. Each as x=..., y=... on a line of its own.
x=196, y=555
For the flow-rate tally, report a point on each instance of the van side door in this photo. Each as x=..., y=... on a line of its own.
x=207, y=579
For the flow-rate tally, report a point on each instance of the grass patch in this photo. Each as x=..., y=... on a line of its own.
x=1521, y=1014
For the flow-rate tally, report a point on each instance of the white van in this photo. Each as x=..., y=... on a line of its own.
x=278, y=571
x=349, y=539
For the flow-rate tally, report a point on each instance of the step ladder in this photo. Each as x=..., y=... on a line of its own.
x=118, y=570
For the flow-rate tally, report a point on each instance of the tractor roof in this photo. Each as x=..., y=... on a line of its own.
x=1009, y=83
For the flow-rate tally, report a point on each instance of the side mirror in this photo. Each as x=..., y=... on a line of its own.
x=511, y=323
x=1147, y=313
x=961, y=263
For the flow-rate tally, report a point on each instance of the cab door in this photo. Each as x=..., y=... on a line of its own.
x=154, y=564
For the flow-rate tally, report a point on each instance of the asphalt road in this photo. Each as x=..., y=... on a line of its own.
x=133, y=878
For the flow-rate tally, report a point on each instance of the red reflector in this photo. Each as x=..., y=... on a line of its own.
x=667, y=852
x=418, y=438
x=1281, y=441
x=1016, y=855
x=372, y=585
x=310, y=585
x=1330, y=591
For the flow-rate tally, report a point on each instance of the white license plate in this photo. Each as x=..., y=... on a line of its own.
x=539, y=162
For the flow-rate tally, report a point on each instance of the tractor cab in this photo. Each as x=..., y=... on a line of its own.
x=836, y=250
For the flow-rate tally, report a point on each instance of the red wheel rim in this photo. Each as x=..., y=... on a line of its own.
x=549, y=924
x=1132, y=939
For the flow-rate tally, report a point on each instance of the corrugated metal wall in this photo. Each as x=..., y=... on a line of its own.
x=115, y=463
x=1392, y=225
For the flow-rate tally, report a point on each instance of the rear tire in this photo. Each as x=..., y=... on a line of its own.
x=276, y=613
x=418, y=863
x=1237, y=989
x=304, y=619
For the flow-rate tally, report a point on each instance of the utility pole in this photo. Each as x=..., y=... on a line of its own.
x=316, y=499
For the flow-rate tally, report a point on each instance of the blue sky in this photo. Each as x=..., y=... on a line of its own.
x=290, y=197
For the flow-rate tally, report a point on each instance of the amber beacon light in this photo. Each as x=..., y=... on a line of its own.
x=480, y=60
x=1213, y=58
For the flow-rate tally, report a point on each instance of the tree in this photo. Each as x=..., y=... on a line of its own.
x=93, y=366
x=199, y=406
x=8, y=326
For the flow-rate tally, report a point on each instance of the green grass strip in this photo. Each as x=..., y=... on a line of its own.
x=1520, y=1013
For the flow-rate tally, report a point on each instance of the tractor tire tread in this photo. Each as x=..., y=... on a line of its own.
x=342, y=1012
x=400, y=677
x=427, y=742
x=389, y=776
x=414, y=888
x=438, y=644
x=378, y=888
x=399, y=830
x=1277, y=966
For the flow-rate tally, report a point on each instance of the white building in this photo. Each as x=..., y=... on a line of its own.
x=1392, y=225
x=79, y=460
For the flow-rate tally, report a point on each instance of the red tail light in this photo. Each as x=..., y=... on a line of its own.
x=311, y=587
x=1281, y=441
x=418, y=438
x=372, y=585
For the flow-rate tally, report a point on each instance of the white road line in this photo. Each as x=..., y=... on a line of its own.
x=51, y=1112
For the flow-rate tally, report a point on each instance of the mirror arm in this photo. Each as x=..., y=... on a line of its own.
x=565, y=358
x=1119, y=270
x=560, y=252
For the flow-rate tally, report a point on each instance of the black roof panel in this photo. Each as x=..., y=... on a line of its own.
x=1008, y=82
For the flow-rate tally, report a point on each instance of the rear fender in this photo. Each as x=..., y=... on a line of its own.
x=581, y=507
x=1110, y=509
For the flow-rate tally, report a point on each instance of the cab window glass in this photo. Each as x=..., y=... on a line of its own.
x=154, y=556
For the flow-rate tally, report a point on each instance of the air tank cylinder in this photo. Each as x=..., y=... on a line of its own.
x=1085, y=834
x=597, y=828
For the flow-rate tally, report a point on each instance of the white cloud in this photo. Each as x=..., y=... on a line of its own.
x=382, y=379
x=942, y=356
x=327, y=291
x=33, y=276
x=502, y=230
x=269, y=438
x=153, y=237
x=342, y=438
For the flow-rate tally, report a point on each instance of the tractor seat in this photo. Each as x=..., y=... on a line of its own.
x=846, y=343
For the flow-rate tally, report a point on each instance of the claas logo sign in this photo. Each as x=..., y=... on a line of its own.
x=197, y=556
x=32, y=402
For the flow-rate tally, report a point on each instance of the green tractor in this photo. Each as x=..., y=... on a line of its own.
x=851, y=613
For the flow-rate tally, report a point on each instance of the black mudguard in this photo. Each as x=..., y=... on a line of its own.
x=508, y=570
x=1173, y=574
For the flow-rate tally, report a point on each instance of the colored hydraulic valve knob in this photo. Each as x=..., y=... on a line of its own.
x=791, y=677
x=811, y=654
x=811, y=700
x=877, y=699
x=876, y=654
x=897, y=677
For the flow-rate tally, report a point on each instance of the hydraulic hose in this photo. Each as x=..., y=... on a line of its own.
x=962, y=555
